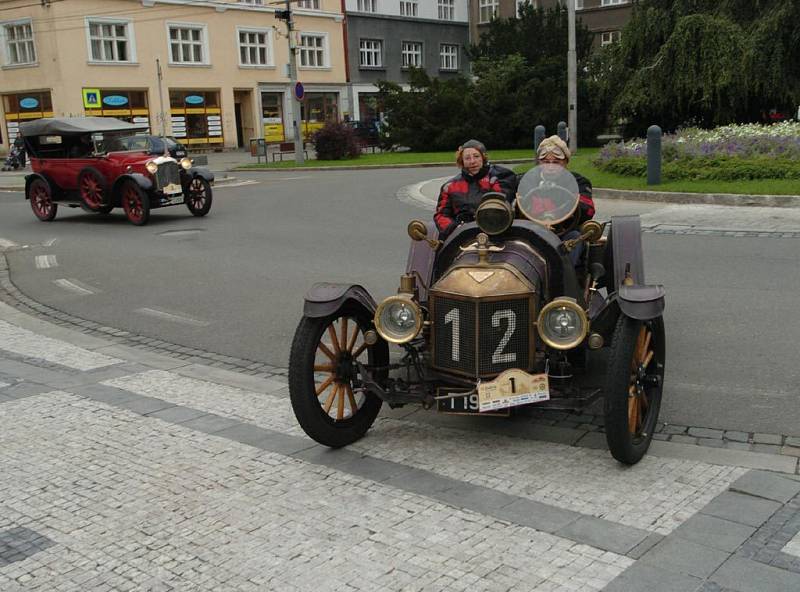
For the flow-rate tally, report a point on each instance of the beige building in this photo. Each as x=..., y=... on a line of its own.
x=223, y=64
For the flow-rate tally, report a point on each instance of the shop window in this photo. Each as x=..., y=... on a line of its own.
x=196, y=116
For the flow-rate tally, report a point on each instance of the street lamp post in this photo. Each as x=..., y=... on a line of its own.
x=572, y=82
x=296, y=104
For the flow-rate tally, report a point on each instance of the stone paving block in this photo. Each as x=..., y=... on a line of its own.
x=543, y=517
x=210, y=423
x=177, y=414
x=25, y=389
x=744, y=509
x=422, y=482
x=246, y=434
x=767, y=485
x=5, y=398
x=143, y=405
x=733, y=445
x=681, y=439
x=767, y=438
x=476, y=498
x=603, y=534
x=674, y=429
x=714, y=532
x=746, y=575
x=790, y=450
x=103, y=393
x=642, y=577
x=792, y=441
x=651, y=541
x=705, y=433
x=284, y=443
x=736, y=436
x=711, y=442
x=766, y=448
x=686, y=557
x=594, y=440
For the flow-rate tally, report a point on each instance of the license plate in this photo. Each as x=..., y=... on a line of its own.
x=464, y=405
x=172, y=189
x=512, y=388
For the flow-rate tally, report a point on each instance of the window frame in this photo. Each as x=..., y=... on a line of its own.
x=326, y=59
x=449, y=7
x=360, y=6
x=6, y=55
x=130, y=39
x=205, y=54
x=270, y=54
x=456, y=56
x=485, y=4
x=315, y=2
x=421, y=53
x=362, y=51
x=614, y=37
x=413, y=4
x=605, y=3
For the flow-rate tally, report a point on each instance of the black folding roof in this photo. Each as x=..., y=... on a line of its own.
x=77, y=125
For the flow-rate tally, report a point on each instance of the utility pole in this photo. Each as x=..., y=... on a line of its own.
x=296, y=104
x=572, y=82
x=161, y=115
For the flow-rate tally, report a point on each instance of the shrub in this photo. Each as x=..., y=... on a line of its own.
x=335, y=141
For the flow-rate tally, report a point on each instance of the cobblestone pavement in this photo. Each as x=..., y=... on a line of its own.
x=126, y=470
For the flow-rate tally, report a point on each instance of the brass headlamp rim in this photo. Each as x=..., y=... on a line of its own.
x=498, y=202
x=406, y=299
x=563, y=302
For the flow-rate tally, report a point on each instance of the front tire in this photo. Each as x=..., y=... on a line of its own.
x=324, y=382
x=634, y=386
x=198, y=196
x=135, y=203
x=40, y=194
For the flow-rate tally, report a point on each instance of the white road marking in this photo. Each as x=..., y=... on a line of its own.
x=50, y=243
x=237, y=184
x=7, y=244
x=293, y=178
x=169, y=316
x=75, y=287
x=3, y=384
x=413, y=195
x=46, y=261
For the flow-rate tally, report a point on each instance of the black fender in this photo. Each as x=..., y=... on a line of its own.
x=143, y=181
x=324, y=299
x=55, y=190
x=636, y=299
x=193, y=172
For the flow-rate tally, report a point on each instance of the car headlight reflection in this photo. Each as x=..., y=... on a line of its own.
x=398, y=319
x=186, y=163
x=151, y=167
x=562, y=324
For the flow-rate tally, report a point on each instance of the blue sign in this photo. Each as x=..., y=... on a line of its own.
x=299, y=91
x=29, y=103
x=115, y=100
x=195, y=100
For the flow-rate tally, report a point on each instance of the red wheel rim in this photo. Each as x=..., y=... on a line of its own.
x=197, y=194
x=91, y=191
x=132, y=202
x=40, y=200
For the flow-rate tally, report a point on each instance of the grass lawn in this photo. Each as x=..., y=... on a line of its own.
x=581, y=163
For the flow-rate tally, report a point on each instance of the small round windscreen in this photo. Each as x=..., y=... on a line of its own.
x=548, y=194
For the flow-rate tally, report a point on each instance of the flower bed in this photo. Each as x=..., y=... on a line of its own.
x=729, y=153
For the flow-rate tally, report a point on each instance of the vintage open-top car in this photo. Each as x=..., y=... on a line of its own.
x=84, y=162
x=502, y=314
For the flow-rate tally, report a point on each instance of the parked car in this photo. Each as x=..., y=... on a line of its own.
x=83, y=162
x=494, y=318
x=154, y=145
x=366, y=132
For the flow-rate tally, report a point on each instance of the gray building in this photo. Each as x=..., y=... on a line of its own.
x=384, y=38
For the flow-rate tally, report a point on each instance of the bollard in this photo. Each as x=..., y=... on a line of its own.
x=562, y=130
x=538, y=135
x=654, y=155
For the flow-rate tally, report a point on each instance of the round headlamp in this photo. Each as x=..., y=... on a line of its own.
x=494, y=215
x=186, y=163
x=562, y=324
x=398, y=319
x=151, y=167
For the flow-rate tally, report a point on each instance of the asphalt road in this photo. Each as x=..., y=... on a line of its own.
x=233, y=282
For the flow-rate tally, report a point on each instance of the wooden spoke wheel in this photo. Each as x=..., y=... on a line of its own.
x=325, y=386
x=135, y=203
x=92, y=189
x=40, y=195
x=634, y=386
x=198, y=196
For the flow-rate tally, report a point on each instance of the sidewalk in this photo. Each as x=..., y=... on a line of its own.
x=127, y=469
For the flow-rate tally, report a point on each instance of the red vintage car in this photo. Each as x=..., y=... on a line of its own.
x=82, y=162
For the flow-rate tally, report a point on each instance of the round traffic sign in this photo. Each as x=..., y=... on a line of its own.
x=299, y=91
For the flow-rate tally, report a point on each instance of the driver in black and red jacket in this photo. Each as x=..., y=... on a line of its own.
x=461, y=195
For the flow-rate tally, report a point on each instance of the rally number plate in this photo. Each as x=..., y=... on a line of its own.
x=511, y=388
x=464, y=405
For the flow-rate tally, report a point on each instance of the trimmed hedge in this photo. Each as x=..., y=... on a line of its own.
x=719, y=168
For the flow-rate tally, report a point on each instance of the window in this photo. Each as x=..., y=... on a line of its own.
x=254, y=47
x=366, y=5
x=612, y=2
x=609, y=37
x=408, y=8
x=447, y=10
x=412, y=54
x=312, y=51
x=312, y=4
x=109, y=41
x=256, y=2
x=578, y=4
x=487, y=10
x=187, y=44
x=370, y=53
x=448, y=57
x=19, y=43
x=521, y=3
